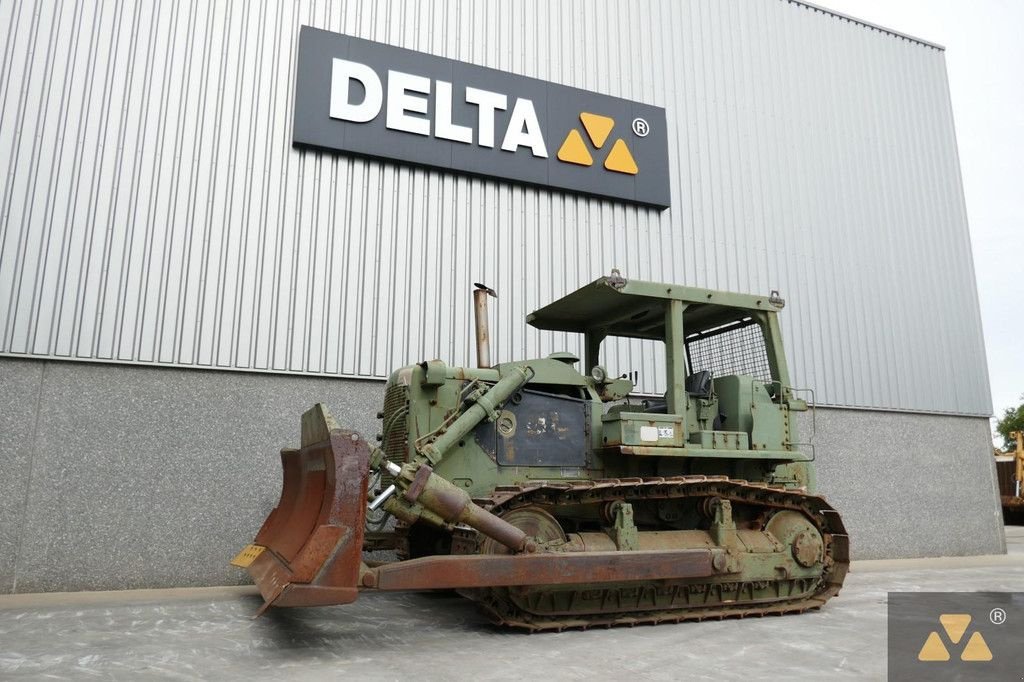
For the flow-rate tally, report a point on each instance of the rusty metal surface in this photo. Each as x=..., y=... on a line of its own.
x=537, y=524
x=648, y=540
x=279, y=526
x=302, y=498
x=298, y=594
x=495, y=570
x=483, y=336
x=315, y=535
x=415, y=488
x=453, y=505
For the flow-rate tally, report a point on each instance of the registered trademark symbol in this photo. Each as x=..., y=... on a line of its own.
x=997, y=616
x=640, y=127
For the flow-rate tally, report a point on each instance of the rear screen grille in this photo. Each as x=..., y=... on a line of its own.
x=736, y=348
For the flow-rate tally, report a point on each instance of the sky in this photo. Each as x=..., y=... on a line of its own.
x=985, y=63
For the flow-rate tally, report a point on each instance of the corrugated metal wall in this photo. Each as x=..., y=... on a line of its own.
x=153, y=210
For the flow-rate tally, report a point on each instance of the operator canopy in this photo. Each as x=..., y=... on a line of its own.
x=614, y=306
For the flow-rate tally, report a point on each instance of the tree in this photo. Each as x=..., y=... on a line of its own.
x=1012, y=420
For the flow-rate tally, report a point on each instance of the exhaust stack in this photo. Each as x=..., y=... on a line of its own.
x=483, y=337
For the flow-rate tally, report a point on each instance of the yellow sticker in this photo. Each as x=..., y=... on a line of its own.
x=247, y=555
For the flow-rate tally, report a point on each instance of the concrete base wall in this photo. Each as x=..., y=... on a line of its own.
x=909, y=485
x=118, y=477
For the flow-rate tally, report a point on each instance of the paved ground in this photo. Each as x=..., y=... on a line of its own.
x=209, y=634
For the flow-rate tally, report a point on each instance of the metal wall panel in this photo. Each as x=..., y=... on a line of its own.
x=154, y=211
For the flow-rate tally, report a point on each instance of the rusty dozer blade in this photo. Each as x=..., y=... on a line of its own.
x=309, y=550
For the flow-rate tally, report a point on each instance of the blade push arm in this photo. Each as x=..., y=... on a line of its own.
x=485, y=405
x=426, y=496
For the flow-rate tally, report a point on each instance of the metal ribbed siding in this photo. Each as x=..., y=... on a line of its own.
x=153, y=210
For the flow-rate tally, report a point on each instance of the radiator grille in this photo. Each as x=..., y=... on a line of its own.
x=396, y=436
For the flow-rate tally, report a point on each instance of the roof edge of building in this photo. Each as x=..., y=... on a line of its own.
x=868, y=24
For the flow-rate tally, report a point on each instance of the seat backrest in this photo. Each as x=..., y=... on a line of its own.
x=699, y=384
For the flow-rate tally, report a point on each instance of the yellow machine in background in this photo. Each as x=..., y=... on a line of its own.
x=1010, y=469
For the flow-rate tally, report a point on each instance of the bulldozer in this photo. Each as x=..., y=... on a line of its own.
x=557, y=498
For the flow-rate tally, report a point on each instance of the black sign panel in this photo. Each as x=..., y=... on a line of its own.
x=368, y=98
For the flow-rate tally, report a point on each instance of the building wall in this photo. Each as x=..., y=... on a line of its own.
x=154, y=211
x=129, y=477
x=156, y=224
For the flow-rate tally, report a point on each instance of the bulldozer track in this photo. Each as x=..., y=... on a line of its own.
x=666, y=601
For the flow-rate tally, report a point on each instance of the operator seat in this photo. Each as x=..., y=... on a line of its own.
x=699, y=383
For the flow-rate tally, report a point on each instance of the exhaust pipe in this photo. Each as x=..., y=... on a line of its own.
x=483, y=337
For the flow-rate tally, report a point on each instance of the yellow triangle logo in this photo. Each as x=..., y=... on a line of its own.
x=955, y=625
x=933, y=649
x=619, y=159
x=573, y=150
x=597, y=127
x=976, y=649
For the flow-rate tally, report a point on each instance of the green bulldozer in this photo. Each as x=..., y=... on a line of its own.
x=559, y=499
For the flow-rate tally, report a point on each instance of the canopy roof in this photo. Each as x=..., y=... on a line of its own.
x=615, y=306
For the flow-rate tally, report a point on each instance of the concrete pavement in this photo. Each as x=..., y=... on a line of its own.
x=209, y=633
